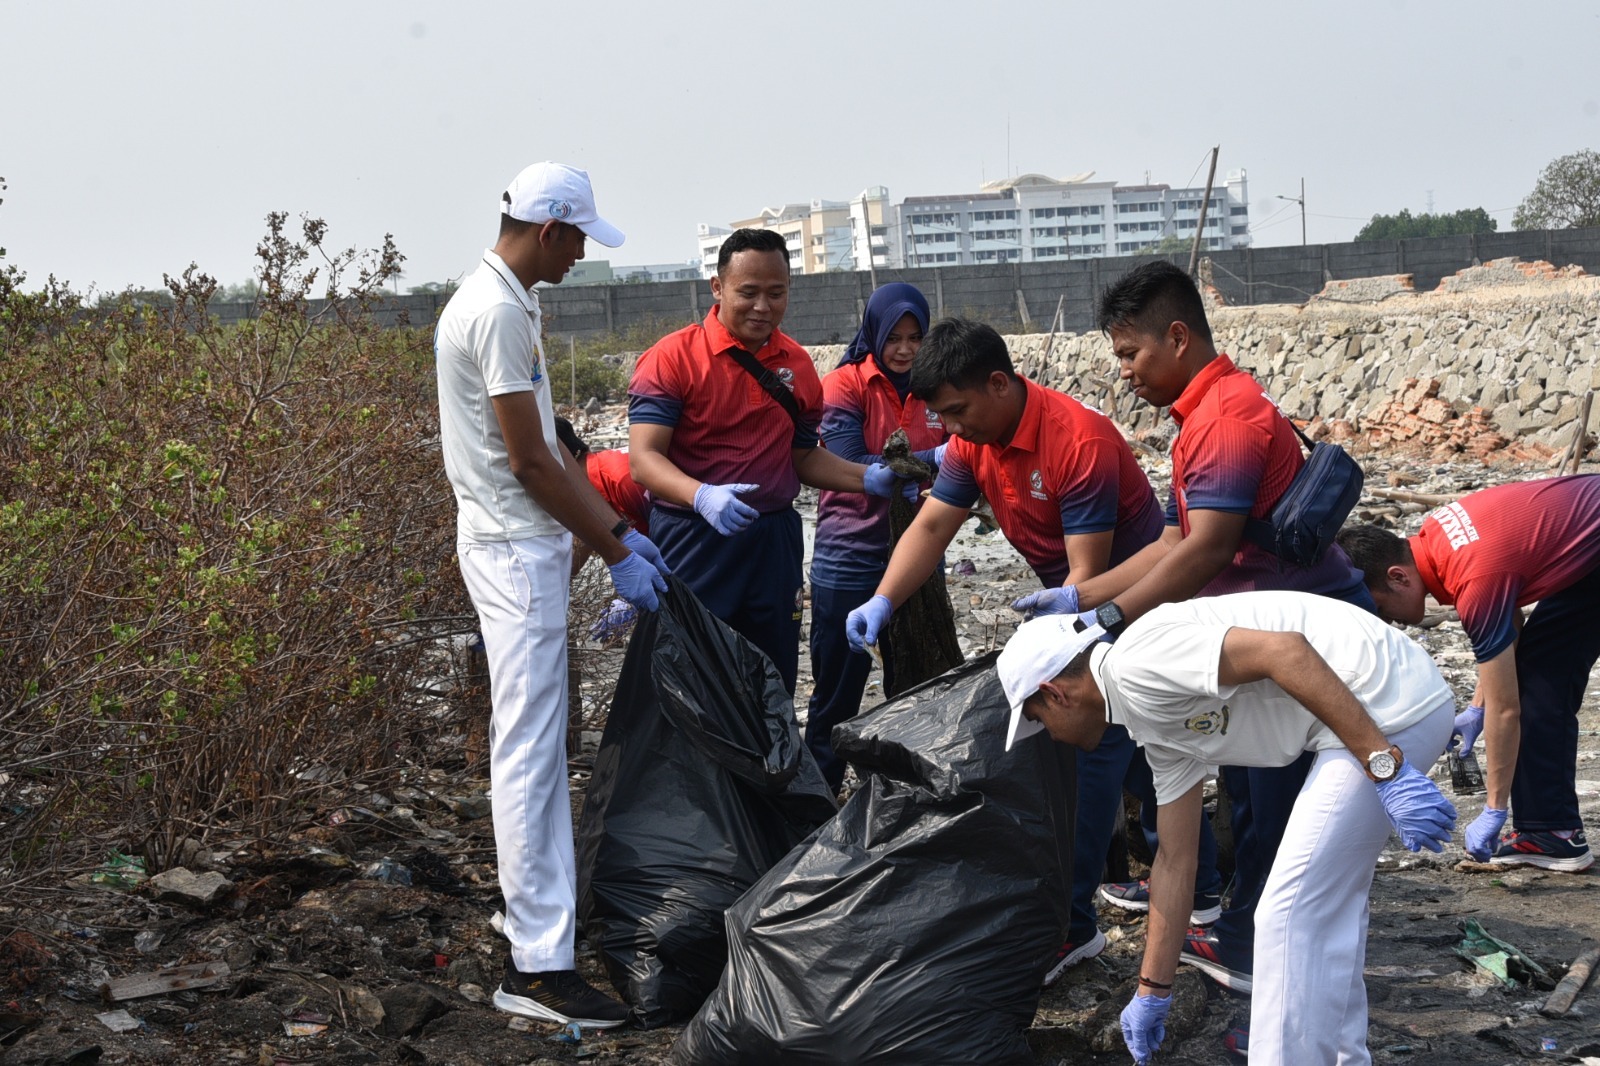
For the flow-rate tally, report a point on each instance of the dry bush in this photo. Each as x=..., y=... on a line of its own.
x=226, y=555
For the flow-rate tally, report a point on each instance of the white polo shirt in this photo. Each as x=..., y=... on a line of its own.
x=1160, y=681
x=488, y=344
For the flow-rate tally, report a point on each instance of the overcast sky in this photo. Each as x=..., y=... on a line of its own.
x=137, y=137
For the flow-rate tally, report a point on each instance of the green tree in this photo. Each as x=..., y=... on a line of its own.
x=1567, y=194
x=1405, y=225
x=434, y=288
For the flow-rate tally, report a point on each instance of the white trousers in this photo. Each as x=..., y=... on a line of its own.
x=520, y=591
x=1309, y=1001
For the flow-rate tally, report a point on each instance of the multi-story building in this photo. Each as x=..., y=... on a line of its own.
x=1029, y=218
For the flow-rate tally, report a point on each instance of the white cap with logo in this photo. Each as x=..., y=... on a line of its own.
x=555, y=192
x=1039, y=650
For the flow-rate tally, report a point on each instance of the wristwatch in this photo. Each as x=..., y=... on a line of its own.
x=1109, y=615
x=1383, y=765
x=620, y=528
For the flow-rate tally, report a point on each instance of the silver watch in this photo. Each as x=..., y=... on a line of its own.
x=1382, y=765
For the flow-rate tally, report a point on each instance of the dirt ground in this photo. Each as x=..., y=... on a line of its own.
x=330, y=960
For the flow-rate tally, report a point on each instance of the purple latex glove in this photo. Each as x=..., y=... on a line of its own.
x=862, y=625
x=720, y=505
x=1483, y=835
x=1062, y=600
x=1469, y=723
x=635, y=541
x=1417, y=809
x=618, y=617
x=1144, y=1025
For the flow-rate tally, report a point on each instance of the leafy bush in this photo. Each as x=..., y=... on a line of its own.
x=227, y=553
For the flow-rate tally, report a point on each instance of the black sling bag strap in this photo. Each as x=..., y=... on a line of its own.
x=769, y=381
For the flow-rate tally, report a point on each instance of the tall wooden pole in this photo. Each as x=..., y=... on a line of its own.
x=1205, y=204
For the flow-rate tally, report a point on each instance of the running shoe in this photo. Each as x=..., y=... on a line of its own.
x=1567, y=852
x=1135, y=896
x=1236, y=1041
x=1070, y=954
x=559, y=996
x=1224, y=963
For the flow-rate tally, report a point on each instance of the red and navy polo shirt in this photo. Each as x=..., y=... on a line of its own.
x=860, y=409
x=1499, y=549
x=725, y=428
x=1236, y=452
x=608, y=473
x=1067, y=470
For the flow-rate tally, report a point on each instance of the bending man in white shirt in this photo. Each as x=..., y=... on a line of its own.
x=1257, y=679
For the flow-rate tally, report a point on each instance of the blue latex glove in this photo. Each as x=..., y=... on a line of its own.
x=879, y=480
x=1144, y=1025
x=1048, y=601
x=938, y=453
x=720, y=505
x=862, y=625
x=637, y=581
x=1469, y=723
x=1417, y=809
x=635, y=541
x=1483, y=835
x=615, y=622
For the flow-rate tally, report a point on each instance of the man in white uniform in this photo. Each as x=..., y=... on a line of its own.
x=520, y=499
x=1257, y=679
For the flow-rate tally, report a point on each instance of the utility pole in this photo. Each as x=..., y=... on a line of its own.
x=1302, y=202
x=1200, y=227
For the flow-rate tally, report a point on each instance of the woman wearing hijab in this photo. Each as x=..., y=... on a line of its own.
x=865, y=399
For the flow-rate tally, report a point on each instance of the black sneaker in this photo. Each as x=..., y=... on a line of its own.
x=1551, y=851
x=1135, y=896
x=559, y=996
x=1217, y=959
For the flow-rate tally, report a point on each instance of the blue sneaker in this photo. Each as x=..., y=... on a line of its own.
x=1135, y=896
x=1548, y=850
x=1219, y=960
x=1070, y=954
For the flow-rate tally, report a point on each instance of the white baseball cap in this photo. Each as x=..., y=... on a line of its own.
x=547, y=192
x=1039, y=650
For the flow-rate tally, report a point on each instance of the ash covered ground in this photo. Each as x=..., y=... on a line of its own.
x=329, y=962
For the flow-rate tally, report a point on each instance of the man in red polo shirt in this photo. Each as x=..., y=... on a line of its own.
x=1070, y=497
x=723, y=460
x=1234, y=456
x=1491, y=553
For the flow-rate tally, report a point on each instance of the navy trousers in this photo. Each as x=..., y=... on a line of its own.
x=1557, y=649
x=1263, y=798
x=751, y=580
x=839, y=675
x=1103, y=773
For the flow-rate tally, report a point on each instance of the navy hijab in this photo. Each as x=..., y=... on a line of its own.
x=885, y=308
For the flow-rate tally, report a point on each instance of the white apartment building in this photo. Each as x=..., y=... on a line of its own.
x=1034, y=218
x=1029, y=218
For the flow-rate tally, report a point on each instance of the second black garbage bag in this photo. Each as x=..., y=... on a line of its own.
x=916, y=926
x=700, y=785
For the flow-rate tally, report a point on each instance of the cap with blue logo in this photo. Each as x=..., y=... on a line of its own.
x=555, y=192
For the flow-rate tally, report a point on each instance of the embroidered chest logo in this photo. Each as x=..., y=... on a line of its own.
x=1212, y=723
x=932, y=418
x=786, y=376
x=1036, y=483
x=538, y=367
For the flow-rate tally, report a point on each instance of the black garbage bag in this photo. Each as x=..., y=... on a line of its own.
x=916, y=926
x=701, y=783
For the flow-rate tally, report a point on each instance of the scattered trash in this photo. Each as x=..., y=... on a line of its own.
x=1466, y=776
x=1500, y=959
x=918, y=924
x=964, y=568
x=521, y=1024
x=172, y=979
x=118, y=1021
x=1399, y=971
x=120, y=871
x=701, y=784
x=1548, y=1043
x=1567, y=990
x=180, y=885
x=306, y=1023
x=388, y=871
x=572, y=1034
x=615, y=622
x=147, y=942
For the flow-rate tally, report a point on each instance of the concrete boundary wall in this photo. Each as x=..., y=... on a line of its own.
x=1523, y=349
x=1022, y=297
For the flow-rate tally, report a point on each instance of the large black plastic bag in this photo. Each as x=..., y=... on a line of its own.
x=916, y=926
x=701, y=783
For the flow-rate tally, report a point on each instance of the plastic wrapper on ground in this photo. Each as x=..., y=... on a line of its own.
x=916, y=926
